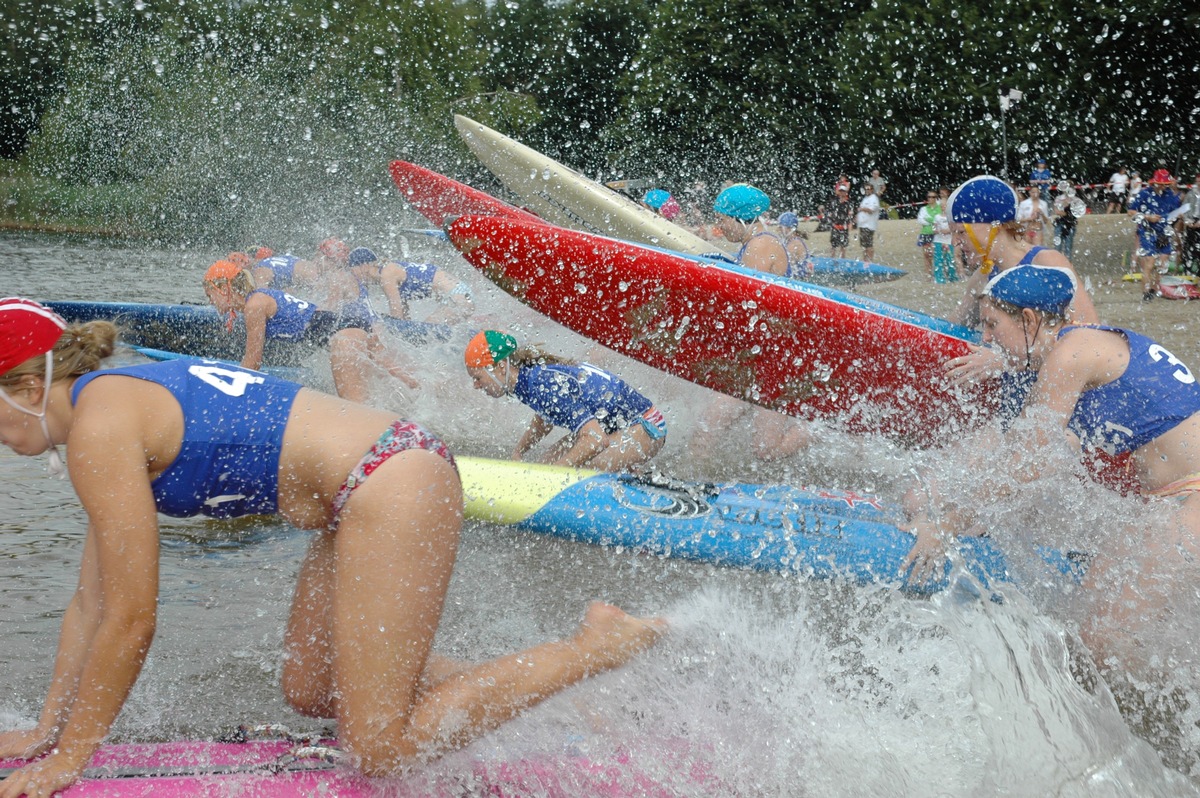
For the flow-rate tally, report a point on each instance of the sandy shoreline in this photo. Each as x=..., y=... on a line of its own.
x=1103, y=244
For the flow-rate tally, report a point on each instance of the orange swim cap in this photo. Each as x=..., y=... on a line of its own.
x=488, y=348
x=222, y=270
x=261, y=253
x=240, y=259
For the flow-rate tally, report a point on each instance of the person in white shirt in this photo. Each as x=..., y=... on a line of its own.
x=1032, y=213
x=1118, y=184
x=1135, y=185
x=867, y=221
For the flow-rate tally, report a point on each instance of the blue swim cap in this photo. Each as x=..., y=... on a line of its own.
x=656, y=198
x=788, y=219
x=983, y=200
x=1046, y=288
x=361, y=255
x=742, y=202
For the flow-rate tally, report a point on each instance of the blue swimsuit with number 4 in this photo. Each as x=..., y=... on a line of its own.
x=234, y=418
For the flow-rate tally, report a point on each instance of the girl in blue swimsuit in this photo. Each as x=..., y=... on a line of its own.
x=983, y=225
x=198, y=437
x=1098, y=390
x=405, y=281
x=610, y=426
x=271, y=314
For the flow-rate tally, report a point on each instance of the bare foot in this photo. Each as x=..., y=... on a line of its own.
x=610, y=637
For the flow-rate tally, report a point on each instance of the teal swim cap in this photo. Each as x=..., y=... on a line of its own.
x=742, y=202
x=1045, y=288
x=656, y=197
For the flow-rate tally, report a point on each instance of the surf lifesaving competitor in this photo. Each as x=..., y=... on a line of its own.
x=193, y=437
x=285, y=271
x=661, y=202
x=1154, y=211
x=983, y=223
x=794, y=240
x=1099, y=389
x=274, y=315
x=404, y=281
x=610, y=426
x=740, y=210
x=276, y=271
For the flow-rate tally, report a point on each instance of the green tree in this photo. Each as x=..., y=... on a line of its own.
x=737, y=90
x=577, y=90
x=1098, y=82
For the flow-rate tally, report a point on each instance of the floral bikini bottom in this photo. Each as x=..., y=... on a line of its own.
x=399, y=437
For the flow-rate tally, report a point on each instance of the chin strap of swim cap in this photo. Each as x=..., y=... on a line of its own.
x=988, y=263
x=1029, y=341
x=507, y=371
x=227, y=292
x=54, y=466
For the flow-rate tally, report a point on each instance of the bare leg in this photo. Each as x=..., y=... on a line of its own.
x=1136, y=589
x=485, y=696
x=308, y=662
x=777, y=436
x=348, y=354
x=721, y=414
x=626, y=449
x=391, y=580
x=389, y=361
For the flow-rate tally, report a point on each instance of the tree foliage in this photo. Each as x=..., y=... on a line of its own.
x=270, y=96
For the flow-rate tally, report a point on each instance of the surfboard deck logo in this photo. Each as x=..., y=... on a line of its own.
x=669, y=502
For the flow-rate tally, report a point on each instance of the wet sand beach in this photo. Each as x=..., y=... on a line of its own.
x=1103, y=248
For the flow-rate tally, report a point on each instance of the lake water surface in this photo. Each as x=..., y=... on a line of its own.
x=784, y=687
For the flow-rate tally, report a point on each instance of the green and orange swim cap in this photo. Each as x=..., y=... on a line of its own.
x=488, y=348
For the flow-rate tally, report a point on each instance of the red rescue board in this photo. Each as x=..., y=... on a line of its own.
x=439, y=198
x=804, y=350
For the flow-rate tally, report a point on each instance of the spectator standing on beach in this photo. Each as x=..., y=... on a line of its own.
x=1032, y=213
x=1118, y=186
x=822, y=220
x=1135, y=186
x=1068, y=207
x=868, y=221
x=926, y=217
x=880, y=188
x=1190, y=251
x=944, y=259
x=877, y=181
x=841, y=219
x=1150, y=210
x=1040, y=178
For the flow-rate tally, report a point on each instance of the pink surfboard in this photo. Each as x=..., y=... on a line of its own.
x=286, y=769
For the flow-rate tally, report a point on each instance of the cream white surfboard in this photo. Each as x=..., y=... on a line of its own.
x=562, y=196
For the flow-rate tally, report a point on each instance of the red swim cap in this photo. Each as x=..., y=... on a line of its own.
x=27, y=329
x=335, y=249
